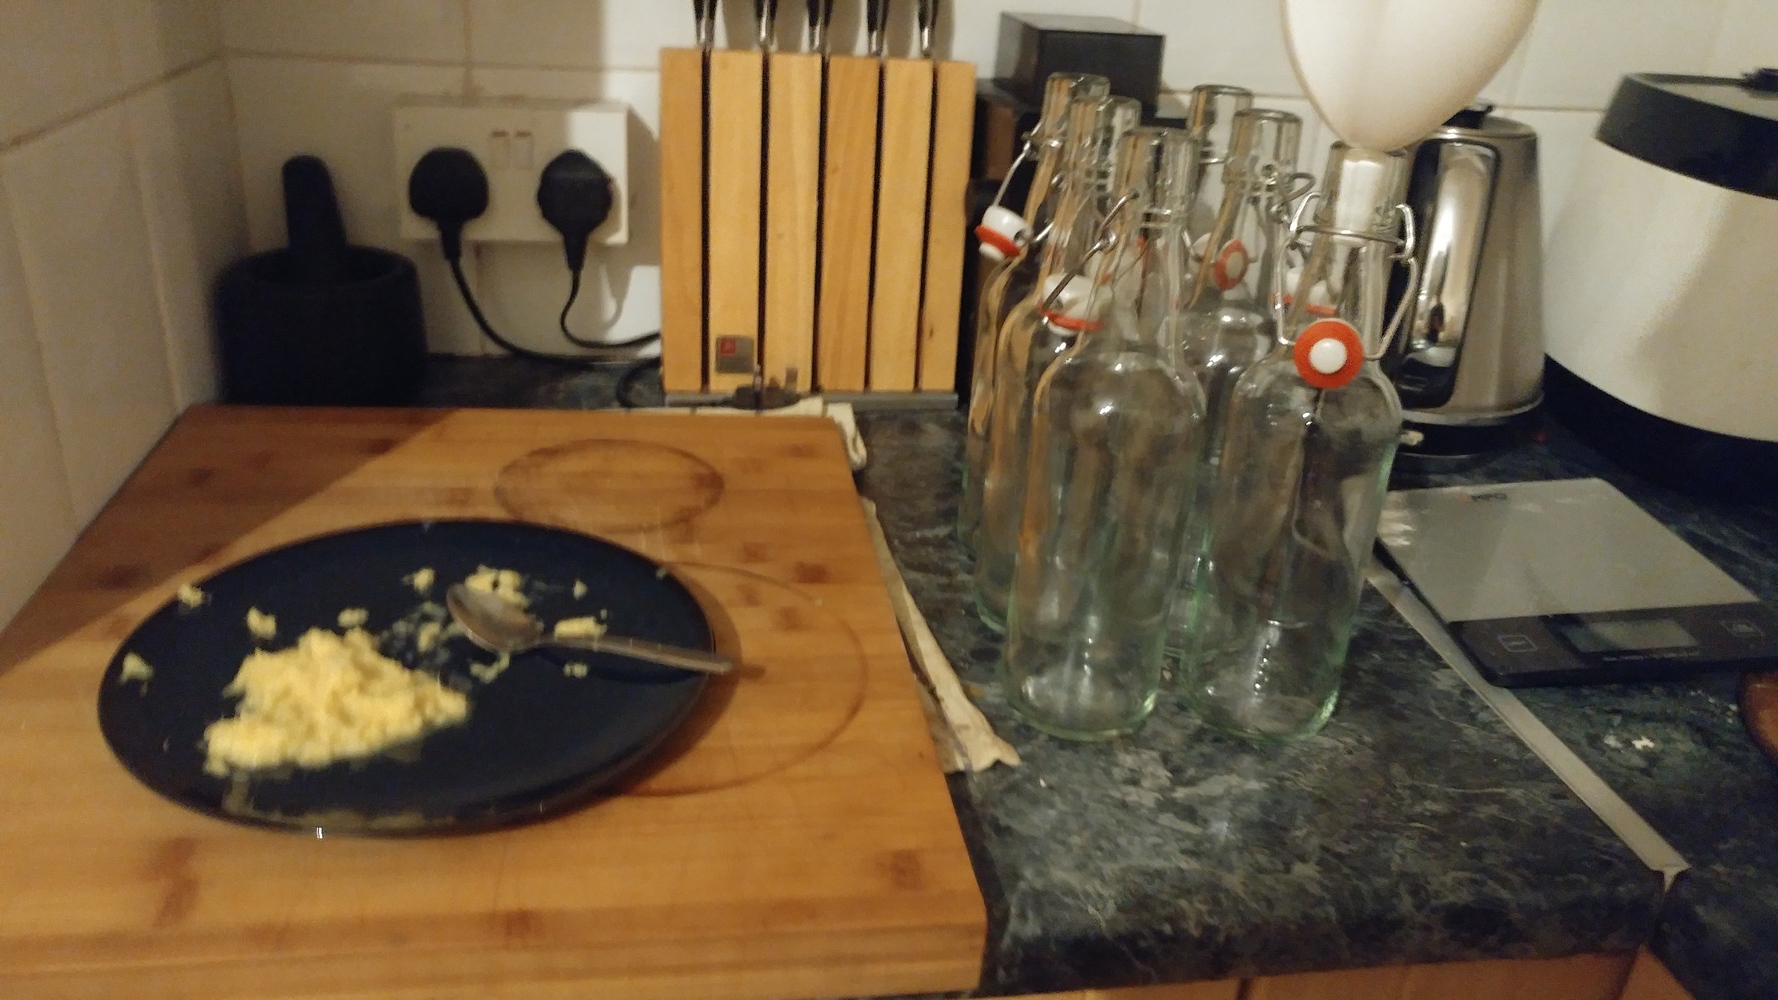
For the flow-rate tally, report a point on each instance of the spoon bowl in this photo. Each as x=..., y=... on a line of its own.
x=501, y=627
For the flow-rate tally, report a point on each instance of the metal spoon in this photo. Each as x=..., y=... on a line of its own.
x=498, y=627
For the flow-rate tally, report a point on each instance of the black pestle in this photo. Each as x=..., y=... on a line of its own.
x=312, y=218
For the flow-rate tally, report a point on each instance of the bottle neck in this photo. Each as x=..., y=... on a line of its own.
x=1145, y=277
x=1345, y=274
x=1046, y=180
x=1235, y=257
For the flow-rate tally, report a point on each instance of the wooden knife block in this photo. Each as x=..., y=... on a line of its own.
x=813, y=220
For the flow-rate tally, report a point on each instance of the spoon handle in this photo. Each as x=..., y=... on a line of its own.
x=652, y=652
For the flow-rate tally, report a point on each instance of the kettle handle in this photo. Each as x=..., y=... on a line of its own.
x=1455, y=210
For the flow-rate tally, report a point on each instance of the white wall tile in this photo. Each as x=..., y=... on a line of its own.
x=576, y=34
x=1505, y=84
x=56, y=58
x=341, y=112
x=621, y=297
x=1748, y=40
x=85, y=249
x=1579, y=49
x=155, y=37
x=427, y=30
x=1562, y=138
x=39, y=522
x=183, y=133
x=1208, y=41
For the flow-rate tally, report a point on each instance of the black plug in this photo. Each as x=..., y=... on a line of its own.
x=449, y=187
x=575, y=197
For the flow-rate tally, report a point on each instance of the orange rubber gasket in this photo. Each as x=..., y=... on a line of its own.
x=1314, y=333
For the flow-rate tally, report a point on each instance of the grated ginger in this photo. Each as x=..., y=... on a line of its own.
x=135, y=668
x=326, y=699
x=262, y=625
x=505, y=584
x=580, y=628
x=191, y=596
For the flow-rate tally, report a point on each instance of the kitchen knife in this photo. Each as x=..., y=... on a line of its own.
x=947, y=222
x=820, y=16
x=904, y=162
x=766, y=13
x=876, y=19
x=706, y=14
x=684, y=180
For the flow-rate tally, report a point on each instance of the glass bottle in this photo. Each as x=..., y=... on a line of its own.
x=1228, y=325
x=1113, y=424
x=1014, y=277
x=1036, y=331
x=1211, y=120
x=1312, y=430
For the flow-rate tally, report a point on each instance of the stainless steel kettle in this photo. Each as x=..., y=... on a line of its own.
x=1469, y=362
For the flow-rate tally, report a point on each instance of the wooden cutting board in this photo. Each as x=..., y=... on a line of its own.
x=796, y=840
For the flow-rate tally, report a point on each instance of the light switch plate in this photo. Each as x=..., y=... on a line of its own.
x=513, y=141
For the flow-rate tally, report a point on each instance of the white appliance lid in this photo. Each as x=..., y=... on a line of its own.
x=1722, y=131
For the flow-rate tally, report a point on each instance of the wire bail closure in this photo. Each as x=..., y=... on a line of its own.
x=1406, y=246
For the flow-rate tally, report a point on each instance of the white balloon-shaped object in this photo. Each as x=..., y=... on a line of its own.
x=1384, y=73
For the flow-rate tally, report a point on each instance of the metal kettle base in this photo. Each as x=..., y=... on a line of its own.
x=1442, y=447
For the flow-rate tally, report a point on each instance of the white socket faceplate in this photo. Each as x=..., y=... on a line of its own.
x=513, y=141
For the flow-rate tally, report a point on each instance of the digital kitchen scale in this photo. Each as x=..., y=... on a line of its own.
x=1569, y=582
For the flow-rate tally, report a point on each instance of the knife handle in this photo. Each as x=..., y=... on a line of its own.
x=706, y=14
x=876, y=19
x=766, y=13
x=927, y=13
x=820, y=16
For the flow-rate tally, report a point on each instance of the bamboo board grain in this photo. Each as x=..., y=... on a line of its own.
x=1650, y=980
x=849, y=187
x=901, y=225
x=947, y=224
x=796, y=841
x=793, y=186
x=737, y=94
x=682, y=220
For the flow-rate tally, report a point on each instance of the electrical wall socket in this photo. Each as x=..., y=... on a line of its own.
x=514, y=141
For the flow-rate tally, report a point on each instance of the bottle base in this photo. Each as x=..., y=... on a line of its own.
x=1031, y=717
x=1276, y=724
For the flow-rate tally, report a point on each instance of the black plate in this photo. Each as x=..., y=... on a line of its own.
x=536, y=740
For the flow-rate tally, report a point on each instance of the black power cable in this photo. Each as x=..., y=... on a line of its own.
x=449, y=187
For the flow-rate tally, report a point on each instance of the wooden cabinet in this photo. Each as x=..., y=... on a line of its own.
x=1650, y=980
x=1581, y=977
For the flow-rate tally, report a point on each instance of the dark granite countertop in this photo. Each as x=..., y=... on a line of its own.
x=1415, y=828
x=1678, y=753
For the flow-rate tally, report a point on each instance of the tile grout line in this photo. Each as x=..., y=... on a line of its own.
x=26, y=138
x=311, y=57
x=31, y=311
x=1642, y=839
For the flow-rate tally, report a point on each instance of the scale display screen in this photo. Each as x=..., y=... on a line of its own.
x=1626, y=634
